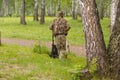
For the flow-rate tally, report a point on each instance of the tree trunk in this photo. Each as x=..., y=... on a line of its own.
x=2, y=13
x=0, y=38
x=22, y=18
x=95, y=45
x=59, y=8
x=9, y=8
x=113, y=13
x=54, y=10
x=101, y=9
x=35, y=10
x=74, y=9
x=17, y=7
x=114, y=43
x=50, y=9
x=42, y=20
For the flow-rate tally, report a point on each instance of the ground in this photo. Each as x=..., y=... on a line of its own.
x=78, y=50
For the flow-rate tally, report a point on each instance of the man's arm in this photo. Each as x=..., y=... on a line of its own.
x=67, y=26
x=52, y=25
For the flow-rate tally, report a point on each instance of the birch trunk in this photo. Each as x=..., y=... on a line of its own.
x=35, y=10
x=102, y=9
x=59, y=8
x=114, y=43
x=42, y=15
x=95, y=45
x=113, y=11
x=2, y=13
x=22, y=18
x=0, y=38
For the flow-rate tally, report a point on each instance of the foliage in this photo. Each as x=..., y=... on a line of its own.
x=40, y=49
x=75, y=72
x=76, y=75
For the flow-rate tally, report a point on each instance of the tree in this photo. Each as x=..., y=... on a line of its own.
x=9, y=3
x=108, y=59
x=2, y=13
x=50, y=9
x=59, y=8
x=17, y=7
x=36, y=10
x=74, y=9
x=95, y=45
x=113, y=13
x=114, y=43
x=101, y=9
x=22, y=18
x=42, y=20
x=0, y=38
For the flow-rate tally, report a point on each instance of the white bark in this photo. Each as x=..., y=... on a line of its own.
x=114, y=4
x=2, y=13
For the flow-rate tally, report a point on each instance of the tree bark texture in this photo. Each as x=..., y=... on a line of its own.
x=9, y=8
x=42, y=15
x=114, y=43
x=59, y=8
x=74, y=9
x=102, y=9
x=113, y=11
x=0, y=38
x=17, y=8
x=22, y=18
x=50, y=11
x=2, y=13
x=35, y=10
x=95, y=45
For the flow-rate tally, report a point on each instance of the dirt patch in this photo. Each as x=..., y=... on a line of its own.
x=79, y=50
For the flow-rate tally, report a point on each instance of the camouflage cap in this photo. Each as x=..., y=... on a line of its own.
x=60, y=14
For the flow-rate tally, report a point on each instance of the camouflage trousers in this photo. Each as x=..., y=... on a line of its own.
x=61, y=45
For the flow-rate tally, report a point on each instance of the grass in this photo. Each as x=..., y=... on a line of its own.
x=21, y=63
x=105, y=23
x=10, y=28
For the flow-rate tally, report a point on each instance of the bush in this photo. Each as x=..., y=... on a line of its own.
x=40, y=49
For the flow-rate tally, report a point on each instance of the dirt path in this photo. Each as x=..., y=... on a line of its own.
x=79, y=50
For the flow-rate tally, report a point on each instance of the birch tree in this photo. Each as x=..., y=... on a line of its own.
x=101, y=9
x=0, y=38
x=59, y=7
x=108, y=59
x=2, y=13
x=114, y=43
x=95, y=45
x=42, y=15
x=74, y=6
x=35, y=10
x=113, y=11
x=22, y=16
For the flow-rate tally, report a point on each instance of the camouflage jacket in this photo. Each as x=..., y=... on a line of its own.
x=59, y=26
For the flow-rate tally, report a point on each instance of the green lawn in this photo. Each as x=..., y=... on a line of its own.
x=21, y=63
x=10, y=28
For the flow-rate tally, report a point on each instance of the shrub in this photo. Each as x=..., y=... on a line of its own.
x=41, y=49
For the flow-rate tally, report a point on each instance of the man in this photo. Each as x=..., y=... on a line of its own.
x=60, y=28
